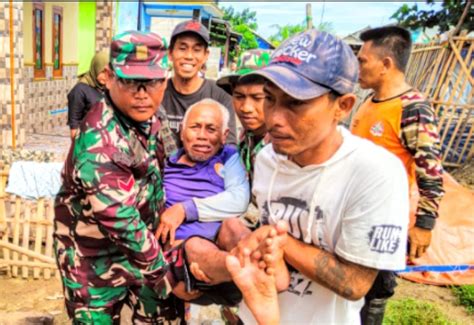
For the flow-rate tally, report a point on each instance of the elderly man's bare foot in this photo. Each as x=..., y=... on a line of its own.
x=257, y=287
x=270, y=255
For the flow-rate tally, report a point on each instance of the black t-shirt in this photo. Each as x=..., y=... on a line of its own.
x=176, y=104
x=79, y=100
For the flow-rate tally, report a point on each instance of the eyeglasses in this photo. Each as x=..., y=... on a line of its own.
x=134, y=85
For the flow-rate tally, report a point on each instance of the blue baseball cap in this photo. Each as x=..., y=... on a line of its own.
x=311, y=64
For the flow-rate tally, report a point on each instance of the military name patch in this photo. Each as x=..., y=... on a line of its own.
x=123, y=159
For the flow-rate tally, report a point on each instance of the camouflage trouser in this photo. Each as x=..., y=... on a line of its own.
x=95, y=290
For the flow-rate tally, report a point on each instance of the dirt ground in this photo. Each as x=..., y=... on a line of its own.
x=46, y=296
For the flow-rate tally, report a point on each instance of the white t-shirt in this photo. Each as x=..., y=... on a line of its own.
x=355, y=205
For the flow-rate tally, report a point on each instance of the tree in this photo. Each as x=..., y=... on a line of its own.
x=285, y=32
x=289, y=30
x=246, y=17
x=244, y=23
x=459, y=14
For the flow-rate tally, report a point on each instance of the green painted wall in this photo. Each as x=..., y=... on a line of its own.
x=86, y=35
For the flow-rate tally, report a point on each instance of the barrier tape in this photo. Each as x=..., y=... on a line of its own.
x=57, y=111
x=437, y=268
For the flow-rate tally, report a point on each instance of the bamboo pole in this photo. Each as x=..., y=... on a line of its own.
x=26, y=238
x=16, y=233
x=33, y=221
x=309, y=16
x=429, y=48
x=451, y=100
x=29, y=264
x=462, y=38
x=443, y=75
x=5, y=237
x=455, y=133
x=49, y=237
x=12, y=75
x=437, y=64
x=27, y=252
x=447, y=116
x=468, y=139
x=39, y=234
x=460, y=60
x=466, y=106
x=465, y=122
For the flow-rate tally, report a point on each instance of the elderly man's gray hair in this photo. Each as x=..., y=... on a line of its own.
x=211, y=102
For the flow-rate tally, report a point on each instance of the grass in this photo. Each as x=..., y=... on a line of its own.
x=465, y=296
x=410, y=311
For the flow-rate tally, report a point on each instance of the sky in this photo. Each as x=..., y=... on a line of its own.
x=346, y=17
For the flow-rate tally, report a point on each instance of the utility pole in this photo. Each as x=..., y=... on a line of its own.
x=309, y=16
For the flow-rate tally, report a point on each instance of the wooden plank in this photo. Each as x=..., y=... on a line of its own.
x=16, y=233
x=49, y=236
x=26, y=238
x=39, y=234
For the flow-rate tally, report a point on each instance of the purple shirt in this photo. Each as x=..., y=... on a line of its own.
x=182, y=183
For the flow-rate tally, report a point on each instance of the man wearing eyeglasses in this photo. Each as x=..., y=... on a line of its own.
x=107, y=210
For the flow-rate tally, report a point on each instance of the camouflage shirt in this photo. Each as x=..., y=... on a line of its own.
x=249, y=146
x=112, y=193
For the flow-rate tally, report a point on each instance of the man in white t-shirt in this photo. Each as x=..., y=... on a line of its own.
x=345, y=199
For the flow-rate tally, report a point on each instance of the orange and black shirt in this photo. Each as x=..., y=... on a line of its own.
x=406, y=126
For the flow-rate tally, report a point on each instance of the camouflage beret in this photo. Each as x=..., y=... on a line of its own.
x=248, y=62
x=139, y=55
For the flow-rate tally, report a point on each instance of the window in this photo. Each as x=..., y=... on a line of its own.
x=38, y=40
x=57, y=41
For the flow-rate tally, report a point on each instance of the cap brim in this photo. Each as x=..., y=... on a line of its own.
x=291, y=82
x=206, y=40
x=227, y=80
x=140, y=71
x=233, y=78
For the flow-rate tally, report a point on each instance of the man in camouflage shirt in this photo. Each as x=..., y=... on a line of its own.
x=107, y=210
x=248, y=98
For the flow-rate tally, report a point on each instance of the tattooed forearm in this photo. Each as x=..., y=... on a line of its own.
x=348, y=280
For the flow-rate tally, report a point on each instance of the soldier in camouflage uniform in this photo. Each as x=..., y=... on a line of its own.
x=247, y=99
x=107, y=210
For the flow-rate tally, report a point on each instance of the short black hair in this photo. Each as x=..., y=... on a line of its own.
x=395, y=42
x=333, y=95
x=175, y=38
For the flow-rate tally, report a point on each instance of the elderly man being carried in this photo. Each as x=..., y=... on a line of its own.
x=205, y=184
